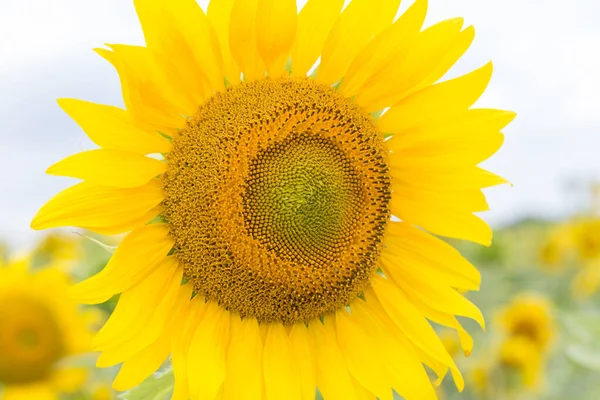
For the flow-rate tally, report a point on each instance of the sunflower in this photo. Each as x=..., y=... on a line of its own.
x=576, y=240
x=480, y=376
x=57, y=247
x=282, y=176
x=529, y=330
x=39, y=328
x=103, y=393
x=586, y=243
x=587, y=282
x=555, y=247
x=529, y=316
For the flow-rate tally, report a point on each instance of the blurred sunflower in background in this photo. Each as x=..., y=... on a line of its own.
x=58, y=248
x=40, y=328
x=554, y=248
x=102, y=392
x=480, y=377
x=529, y=332
x=586, y=239
x=257, y=166
x=576, y=242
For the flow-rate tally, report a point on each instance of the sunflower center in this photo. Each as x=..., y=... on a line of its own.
x=526, y=329
x=277, y=197
x=302, y=199
x=30, y=341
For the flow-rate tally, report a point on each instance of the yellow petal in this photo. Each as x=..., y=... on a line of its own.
x=461, y=201
x=276, y=22
x=448, y=320
x=400, y=340
x=206, y=357
x=244, y=377
x=199, y=308
x=127, y=225
x=451, y=152
x=305, y=359
x=89, y=205
x=410, y=246
x=406, y=71
x=470, y=125
x=333, y=378
x=280, y=372
x=175, y=298
x=355, y=345
x=440, y=219
x=112, y=128
x=439, y=65
x=179, y=30
x=314, y=24
x=138, y=254
x=130, y=314
x=406, y=373
x=413, y=325
x=361, y=392
x=445, y=222
x=462, y=178
x=446, y=98
x=153, y=90
x=397, y=39
x=242, y=39
x=219, y=13
x=453, y=53
x=433, y=293
x=351, y=32
x=136, y=369
x=184, y=326
x=109, y=168
x=386, y=15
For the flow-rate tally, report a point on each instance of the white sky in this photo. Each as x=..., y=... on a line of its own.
x=547, y=68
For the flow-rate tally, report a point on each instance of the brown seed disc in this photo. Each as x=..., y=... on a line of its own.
x=277, y=197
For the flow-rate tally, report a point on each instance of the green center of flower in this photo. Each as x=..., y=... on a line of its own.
x=302, y=199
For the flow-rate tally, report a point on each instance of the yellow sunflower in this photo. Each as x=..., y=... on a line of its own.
x=529, y=316
x=58, y=247
x=578, y=240
x=103, y=393
x=585, y=242
x=586, y=238
x=555, y=248
x=262, y=253
x=587, y=281
x=480, y=376
x=529, y=330
x=39, y=328
x=520, y=355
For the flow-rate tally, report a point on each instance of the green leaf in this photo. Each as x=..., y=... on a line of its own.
x=158, y=386
x=583, y=327
x=585, y=356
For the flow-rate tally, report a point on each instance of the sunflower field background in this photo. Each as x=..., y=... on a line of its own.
x=540, y=296
x=540, y=291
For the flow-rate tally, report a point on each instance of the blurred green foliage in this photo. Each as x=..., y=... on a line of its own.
x=512, y=266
